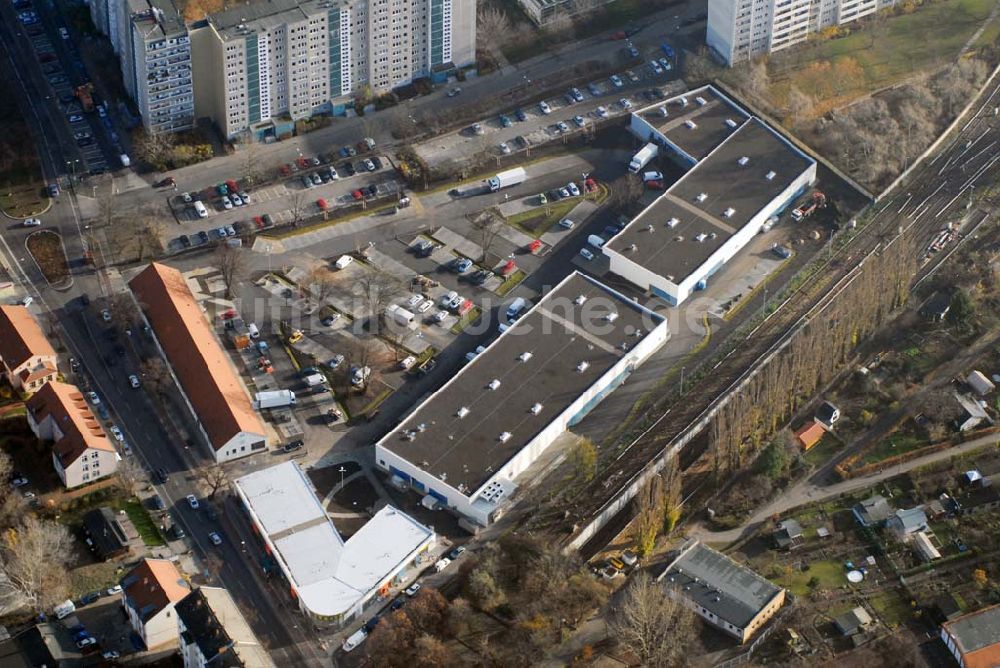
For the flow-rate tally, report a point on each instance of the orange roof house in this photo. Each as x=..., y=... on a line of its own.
x=974, y=639
x=81, y=451
x=149, y=592
x=206, y=374
x=810, y=434
x=27, y=358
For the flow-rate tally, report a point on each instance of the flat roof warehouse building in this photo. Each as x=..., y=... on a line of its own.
x=332, y=579
x=740, y=173
x=465, y=446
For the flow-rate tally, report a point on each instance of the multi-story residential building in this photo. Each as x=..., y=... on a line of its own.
x=261, y=66
x=156, y=66
x=81, y=452
x=214, y=633
x=741, y=29
x=27, y=359
x=149, y=593
x=154, y=50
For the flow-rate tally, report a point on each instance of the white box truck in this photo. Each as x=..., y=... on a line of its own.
x=642, y=158
x=399, y=315
x=64, y=609
x=511, y=177
x=274, y=399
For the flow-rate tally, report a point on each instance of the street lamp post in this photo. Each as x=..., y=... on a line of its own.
x=342, y=472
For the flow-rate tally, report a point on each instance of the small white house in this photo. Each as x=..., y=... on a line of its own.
x=149, y=592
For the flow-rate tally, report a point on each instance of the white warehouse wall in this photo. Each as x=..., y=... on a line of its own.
x=480, y=512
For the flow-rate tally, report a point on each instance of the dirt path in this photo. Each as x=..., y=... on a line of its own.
x=808, y=491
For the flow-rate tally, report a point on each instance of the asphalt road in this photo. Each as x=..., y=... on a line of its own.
x=81, y=329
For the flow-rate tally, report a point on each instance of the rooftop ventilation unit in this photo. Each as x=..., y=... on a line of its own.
x=679, y=237
x=701, y=101
x=712, y=235
x=582, y=366
x=743, y=161
x=633, y=247
x=494, y=384
x=673, y=222
x=728, y=213
x=504, y=437
x=525, y=356
x=691, y=124
x=611, y=317
x=579, y=301
x=702, y=197
x=536, y=409
x=770, y=176
x=731, y=123
x=462, y=412
x=650, y=229
x=670, y=277
x=701, y=237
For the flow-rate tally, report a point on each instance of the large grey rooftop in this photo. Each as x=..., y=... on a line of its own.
x=258, y=15
x=158, y=18
x=715, y=582
x=976, y=630
x=559, y=334
x=709, y=119
x=677, y=233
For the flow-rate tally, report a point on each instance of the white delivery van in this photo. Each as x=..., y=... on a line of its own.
x=595, y=241
x=355, y=640
x=312, y=380
x=253, y=331
x=64, y=609
x=516, y=307
x=200, y=209
x=343, y=261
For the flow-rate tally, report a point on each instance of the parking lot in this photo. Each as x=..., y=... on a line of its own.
x=331, y=187
x=577, y=110
x=62, y=67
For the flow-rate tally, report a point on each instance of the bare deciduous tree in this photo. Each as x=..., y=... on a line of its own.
x=320, y=282
x=155, y=148
x=214, y=477
x=488, y=226
x=377, y=289
x=130, y=475
x=649, y=622
x=672, y=494
x=800, y=106
x=156, y=376
x=232, y=265
x=35, y=555
x=251, y=166
x=297, y=204
x=492, y=30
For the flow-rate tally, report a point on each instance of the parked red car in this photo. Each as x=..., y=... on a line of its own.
x=508, y=268
x=357, y=195
x=534, y=246
x=590, y=185
x=233, y=186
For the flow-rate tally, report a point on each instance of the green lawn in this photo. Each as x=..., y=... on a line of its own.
x=539, y=220
x=891, y=54
x=894, y=445
x=143, y=523
x=831, y=575
x=821, y=452
x=892, y=608
x=512, y=282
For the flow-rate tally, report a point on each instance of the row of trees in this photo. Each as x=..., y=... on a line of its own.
x=813, y=357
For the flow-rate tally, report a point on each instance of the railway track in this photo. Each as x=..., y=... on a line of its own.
x=918, y=211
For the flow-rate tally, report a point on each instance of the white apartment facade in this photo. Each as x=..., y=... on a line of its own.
x=739, y=30
x=283, y=60
x=154, y=52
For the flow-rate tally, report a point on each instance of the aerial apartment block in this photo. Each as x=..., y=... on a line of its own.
x=739, y=30
x=261, y=66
